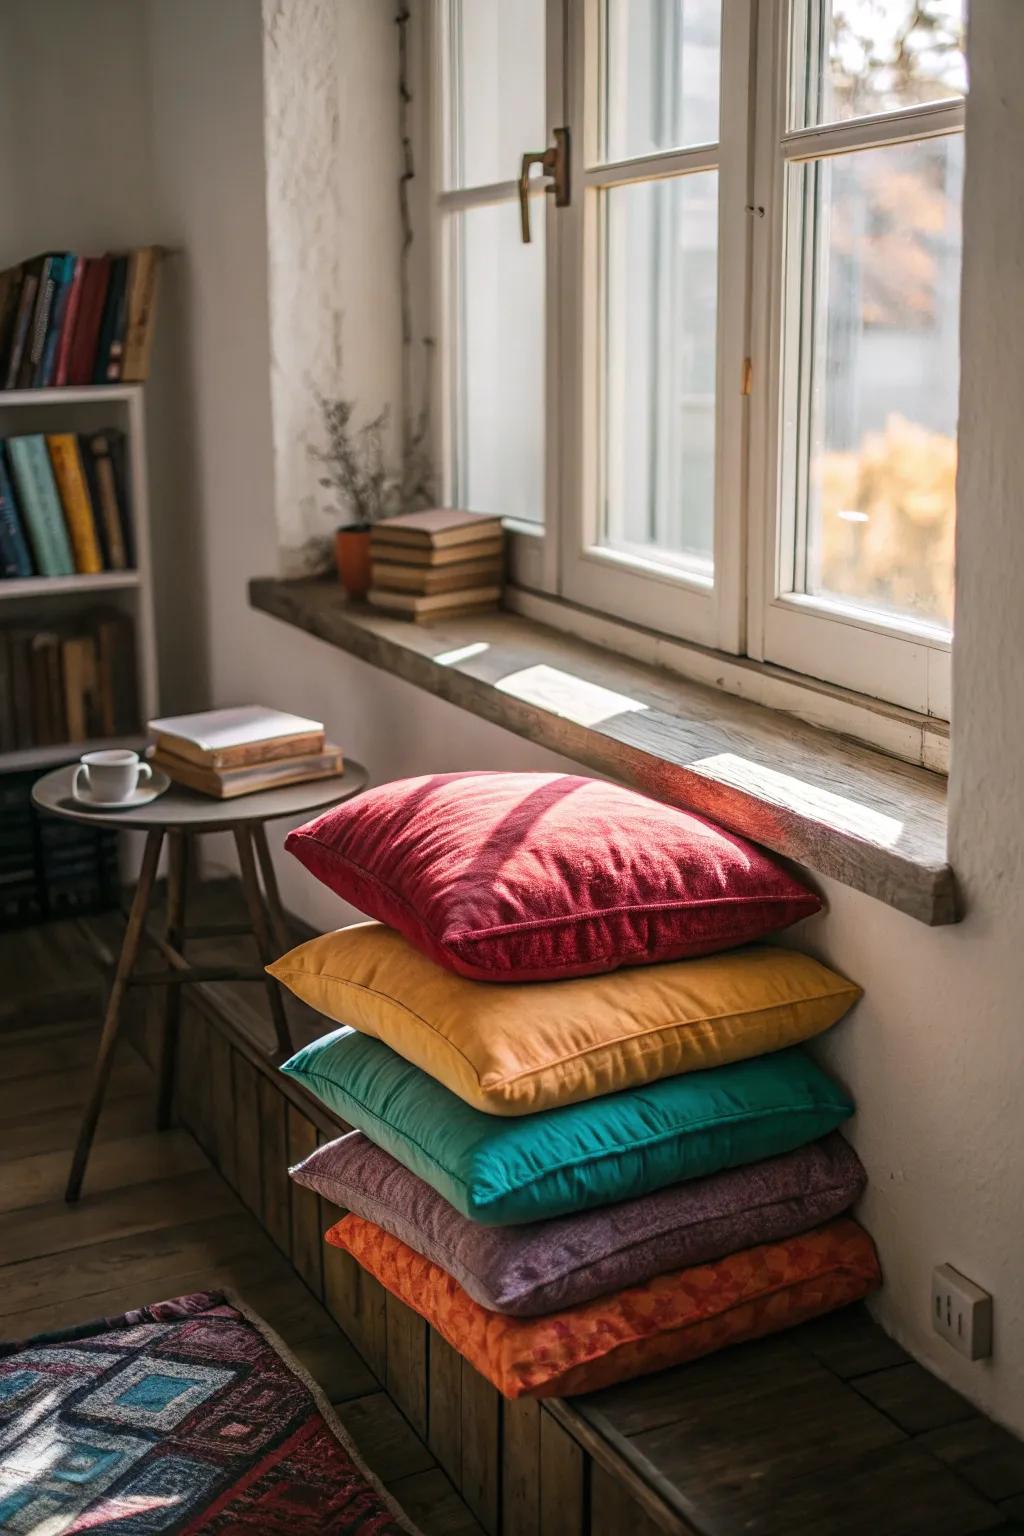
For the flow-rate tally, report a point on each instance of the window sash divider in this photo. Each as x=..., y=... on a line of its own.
x=931, y=121
x=670, y=162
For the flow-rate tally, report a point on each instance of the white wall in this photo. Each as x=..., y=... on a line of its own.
x=933, y=1053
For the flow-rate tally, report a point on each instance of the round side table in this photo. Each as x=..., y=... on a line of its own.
x=179, y=815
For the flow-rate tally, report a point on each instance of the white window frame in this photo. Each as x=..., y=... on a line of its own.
x=742, y=611
x=904, y=662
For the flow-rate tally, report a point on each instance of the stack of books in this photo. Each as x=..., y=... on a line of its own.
x=229, y=752
x=437, y=564
x=72, y=681
x=64, y=505
x=67, y=319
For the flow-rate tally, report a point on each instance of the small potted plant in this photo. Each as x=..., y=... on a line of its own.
x=354, y=463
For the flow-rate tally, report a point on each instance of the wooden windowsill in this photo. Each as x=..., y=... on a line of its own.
x=841, y=810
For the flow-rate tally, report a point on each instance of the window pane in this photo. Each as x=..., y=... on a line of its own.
x=661, y=279
x=856, y=57
x=500, y=392
x=875, y=404
x=661, y=75
x=497, y=68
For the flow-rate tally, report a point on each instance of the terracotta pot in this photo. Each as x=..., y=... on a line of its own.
x=352, y=557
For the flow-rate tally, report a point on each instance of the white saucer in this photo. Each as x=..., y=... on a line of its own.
x=143, y=795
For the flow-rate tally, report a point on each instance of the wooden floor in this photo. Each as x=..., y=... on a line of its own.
x=157, y=1220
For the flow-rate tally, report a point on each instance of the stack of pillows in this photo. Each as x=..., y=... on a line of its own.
x=589, y=1144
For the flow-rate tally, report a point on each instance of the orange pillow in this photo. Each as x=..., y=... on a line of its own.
x=667, y=1320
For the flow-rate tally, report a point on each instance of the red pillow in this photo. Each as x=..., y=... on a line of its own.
x=539, y=876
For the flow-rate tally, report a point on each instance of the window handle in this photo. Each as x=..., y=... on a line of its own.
x=554, y=163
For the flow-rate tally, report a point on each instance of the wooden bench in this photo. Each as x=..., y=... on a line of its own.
x=830, y=1428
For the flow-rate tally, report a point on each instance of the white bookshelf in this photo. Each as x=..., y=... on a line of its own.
x=40, y=599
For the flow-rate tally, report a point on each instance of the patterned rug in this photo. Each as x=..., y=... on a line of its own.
x=186, y=1416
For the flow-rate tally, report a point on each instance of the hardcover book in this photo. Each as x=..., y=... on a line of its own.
x=231, y=738
x=85, y=340
x=103, y=454
x=15, y=559
x=70, y=319
x=63, y=275
x=431, y=555
x=107, y=362
x=226, y=783
x=143, y=270
x=22, y=322
x=39, y=504
x=413, y=606
x=438, y=527
x=75, y=501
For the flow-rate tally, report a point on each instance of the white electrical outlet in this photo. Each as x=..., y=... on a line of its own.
x=961, y=1312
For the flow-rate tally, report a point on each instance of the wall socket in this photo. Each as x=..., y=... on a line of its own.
x=961, y=1312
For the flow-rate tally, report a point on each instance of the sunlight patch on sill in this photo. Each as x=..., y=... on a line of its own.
x=785, y=789
x=563, y=694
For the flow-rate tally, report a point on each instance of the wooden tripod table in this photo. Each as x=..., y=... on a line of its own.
x=180, y=815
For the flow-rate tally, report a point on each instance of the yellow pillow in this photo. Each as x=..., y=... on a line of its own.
x=511, y=1050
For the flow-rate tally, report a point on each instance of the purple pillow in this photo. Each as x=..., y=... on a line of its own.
x=547, y=1265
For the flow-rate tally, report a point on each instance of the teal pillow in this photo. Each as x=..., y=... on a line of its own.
x=502, y=1171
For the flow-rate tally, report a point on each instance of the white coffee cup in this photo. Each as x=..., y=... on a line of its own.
x=110, y=776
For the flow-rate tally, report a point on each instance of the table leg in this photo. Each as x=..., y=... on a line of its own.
x=261, y=933
x=177, y=892
x=279, y=926
x=112, y=1016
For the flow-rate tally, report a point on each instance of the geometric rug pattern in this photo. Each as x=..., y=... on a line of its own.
x=178, y=1417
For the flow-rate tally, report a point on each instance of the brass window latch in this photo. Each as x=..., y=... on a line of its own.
x=554, y=163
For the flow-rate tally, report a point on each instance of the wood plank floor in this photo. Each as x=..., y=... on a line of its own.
x=157, y=1221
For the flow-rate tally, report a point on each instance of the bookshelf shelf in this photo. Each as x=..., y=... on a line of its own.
x=88, y=408
x=56, y=586
x=81, y=394
x=64, y=752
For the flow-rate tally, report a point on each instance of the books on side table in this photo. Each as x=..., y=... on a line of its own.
x=437, y=564
x=229, y=752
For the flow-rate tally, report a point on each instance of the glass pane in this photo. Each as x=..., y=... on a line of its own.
x=856, y=57
x=497, y=68
x=500, y=392
x=878, y=394
x=661, y=75
x=660, y=368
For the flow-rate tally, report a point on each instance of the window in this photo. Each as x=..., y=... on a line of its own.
x=717, y=393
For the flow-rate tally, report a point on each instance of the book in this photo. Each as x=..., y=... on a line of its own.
x=413, y=606
x=437, y=528
x=15, y=559
x=33, y=353
x=18, y=646
x=10, y=292
x=237, y=737
x=101, y=453
x=107, y=362
x=83, y=713
x=143, y=270
x=408, y=554
x=85, y=340
x=117, y=672
x=75, y=500
x=59, y=375
x=428, y=579
x=49, y=721
x=39, y=505
x=226, y=783
x=63, y=273
x=22, y=322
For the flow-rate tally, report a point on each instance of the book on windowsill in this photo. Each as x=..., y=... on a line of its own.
x=437, y=605
x=436, y=528
x=215, y=739
x=426, y=580
x=226, y=783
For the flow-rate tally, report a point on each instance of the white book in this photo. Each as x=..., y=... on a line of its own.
x=222, y=737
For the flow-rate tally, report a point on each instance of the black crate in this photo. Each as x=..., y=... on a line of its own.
x=51, y=868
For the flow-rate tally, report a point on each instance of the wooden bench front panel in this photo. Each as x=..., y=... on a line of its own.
x=520, y=1470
